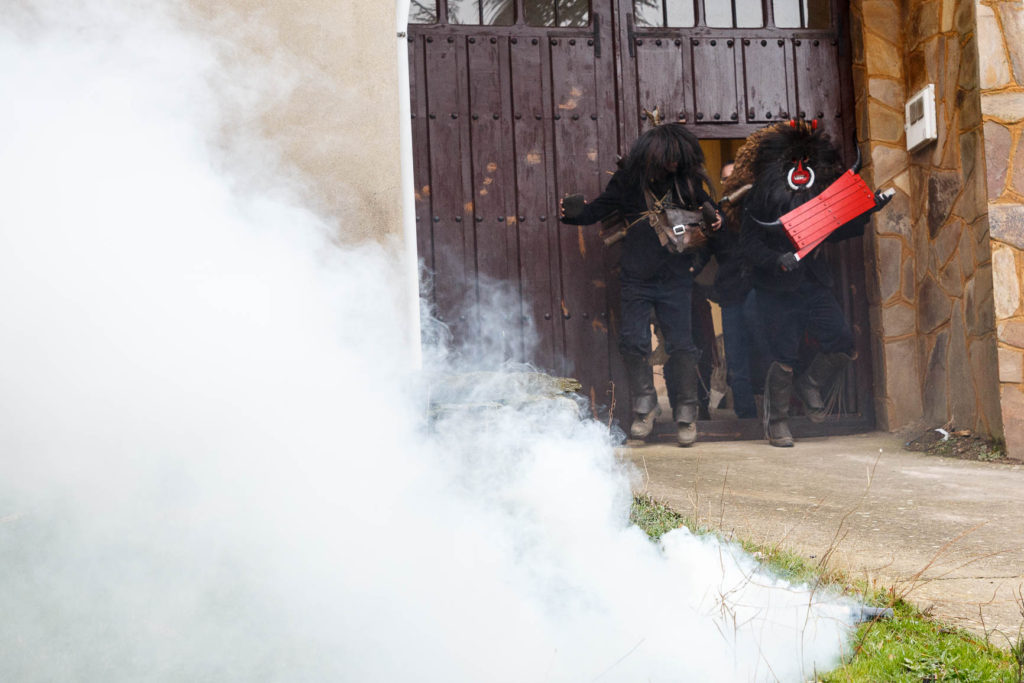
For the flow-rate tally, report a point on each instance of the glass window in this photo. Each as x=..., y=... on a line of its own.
x=738, y=13
x=658, y=13
x=679, y=13
x=556, y=12
x=649, y=13
x=749, y=13
x=482, y=12
x=802, y=13
x=423, y=11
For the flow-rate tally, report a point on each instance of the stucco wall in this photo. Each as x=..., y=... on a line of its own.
x=931, y=295
x=338, y=121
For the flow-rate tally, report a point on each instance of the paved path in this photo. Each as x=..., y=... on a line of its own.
x=948, y=533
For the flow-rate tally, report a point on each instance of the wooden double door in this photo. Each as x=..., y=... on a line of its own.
x=518, y=102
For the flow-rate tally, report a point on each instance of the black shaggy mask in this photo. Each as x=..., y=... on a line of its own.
x=790, y=164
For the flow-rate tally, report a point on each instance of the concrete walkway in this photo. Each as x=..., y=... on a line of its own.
x=948, y=534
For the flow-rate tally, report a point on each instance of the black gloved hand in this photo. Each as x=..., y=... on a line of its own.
x=572, y=205
x=883, y=197
x=788, y=262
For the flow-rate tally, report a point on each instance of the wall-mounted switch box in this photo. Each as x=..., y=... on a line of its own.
x=920, y=121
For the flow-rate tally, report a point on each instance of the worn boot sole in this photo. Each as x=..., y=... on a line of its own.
x=686, y=434
x=643, y=425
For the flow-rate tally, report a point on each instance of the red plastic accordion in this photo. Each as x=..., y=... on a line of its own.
x=809, y=224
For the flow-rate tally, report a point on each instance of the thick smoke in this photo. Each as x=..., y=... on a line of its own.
x=217, y=466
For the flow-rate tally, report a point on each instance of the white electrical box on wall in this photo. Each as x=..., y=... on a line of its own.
x=920, y=118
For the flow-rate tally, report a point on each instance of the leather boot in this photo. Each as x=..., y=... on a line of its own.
x=681, y=381
x=817, y=381
x=643, y=396
x=778, y=389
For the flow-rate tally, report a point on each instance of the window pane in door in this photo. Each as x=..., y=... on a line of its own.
x=556, y=12
x=718, y=13
x=749, y=13
x=680, y=13
x=649, y=12
x=482, y=12
x=423, y=12
x=802, y=13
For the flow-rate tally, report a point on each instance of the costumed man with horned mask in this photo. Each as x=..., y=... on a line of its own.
x=662, y=193
x=799, y=195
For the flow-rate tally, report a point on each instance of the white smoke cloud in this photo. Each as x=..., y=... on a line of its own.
x=216, y=466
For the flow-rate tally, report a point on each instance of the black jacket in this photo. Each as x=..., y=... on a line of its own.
x=643, y=257
x=763, y=246
x=732, y=279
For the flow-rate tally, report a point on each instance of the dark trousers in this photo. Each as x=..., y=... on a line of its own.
x=669, y=296
x=739, y=348
x=812, y=308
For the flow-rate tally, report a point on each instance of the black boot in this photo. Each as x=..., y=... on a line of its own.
x=817, y=382
x=778, y=389
x=642, y=394
x=681, y=381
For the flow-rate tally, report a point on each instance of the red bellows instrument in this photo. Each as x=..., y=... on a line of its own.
x=810, y=223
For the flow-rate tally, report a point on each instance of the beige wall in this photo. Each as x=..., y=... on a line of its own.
x=931, y=298
x=339, y=124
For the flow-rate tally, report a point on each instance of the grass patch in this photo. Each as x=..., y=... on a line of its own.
x=909, y=648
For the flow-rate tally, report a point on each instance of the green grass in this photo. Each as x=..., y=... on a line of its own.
x=909, y=648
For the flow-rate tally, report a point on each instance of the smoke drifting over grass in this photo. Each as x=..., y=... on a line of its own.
x=216, y=464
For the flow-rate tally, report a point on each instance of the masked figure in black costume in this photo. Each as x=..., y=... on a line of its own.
x=789, y=164
x=664, y=162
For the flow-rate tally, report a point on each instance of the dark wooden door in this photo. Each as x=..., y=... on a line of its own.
x=507, y=118
x=518, y=102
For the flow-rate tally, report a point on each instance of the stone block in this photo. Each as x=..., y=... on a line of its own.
x=933, y=306
x=1011, y=15
x=1011, y=365
x=1006, y=221
x=1017, y=180
x=889, y=255
x=887, y=91
x=887, y=162
x=1006, y=107
x=886, y=124
x=1012, y=333
x=986, y=378
x=968, y=104
x=963, y=392
x=945, y=243
x=963, y=17
x=965, y=250
x=940, y=154
x=903, y=384
x=968, y=78
x=935, y=394
x=943, y=188
x=1005, y=282
x=908, y=284
x=902, y=182
x=946, y=21
x=894, y=219
x=881, y=57
x=898, y=320
x=884, y=18
x=995, y=70
x=997, y=157
x=925, y=19
x=970, y=152
x=951, y=279
x=979, y=304
x=1012, y=405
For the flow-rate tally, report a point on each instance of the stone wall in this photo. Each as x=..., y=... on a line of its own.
x=931, y=297
x=1001, y=62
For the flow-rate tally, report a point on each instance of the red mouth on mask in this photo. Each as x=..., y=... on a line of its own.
x=800, y=178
